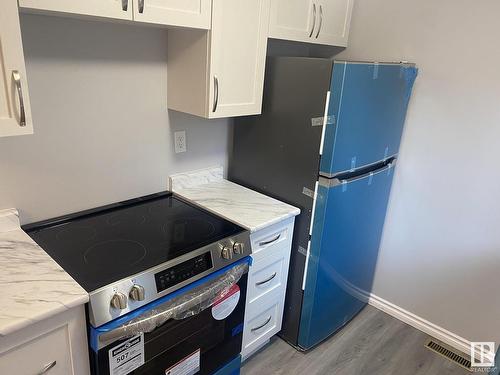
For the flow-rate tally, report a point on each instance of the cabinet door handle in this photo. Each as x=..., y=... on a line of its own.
x=47, y=368
x=320, y=20
x=314, y=20
x=266, y=280
x=262, y=325
x=124, y=5
x=141, y=6
x=17, y=81
x=216, y=94
x=264, y=243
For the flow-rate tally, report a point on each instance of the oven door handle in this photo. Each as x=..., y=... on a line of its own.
x=186, y=305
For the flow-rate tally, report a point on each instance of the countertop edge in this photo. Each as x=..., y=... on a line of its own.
x=24, y=263
x=294, y=211
x=272, y=222
x=20, y=324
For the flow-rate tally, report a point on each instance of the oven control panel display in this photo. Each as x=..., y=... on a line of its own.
x=183, y=271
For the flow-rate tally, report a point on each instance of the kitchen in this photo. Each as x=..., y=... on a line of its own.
x=99, y=92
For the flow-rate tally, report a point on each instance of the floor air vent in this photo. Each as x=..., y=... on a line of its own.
x=449, y=354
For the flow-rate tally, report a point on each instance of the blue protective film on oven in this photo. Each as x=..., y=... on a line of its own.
x=231, y=368
x=96, y=332
x=237, y=330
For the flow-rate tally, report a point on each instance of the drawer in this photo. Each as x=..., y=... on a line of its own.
x=267, y=276
x=261, y=328
x=274, y=238
x=32, y=357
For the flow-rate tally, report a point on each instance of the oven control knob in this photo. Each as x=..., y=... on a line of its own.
x=137, y=293
x=119, y=301
x=238, y=248
x=226, y=253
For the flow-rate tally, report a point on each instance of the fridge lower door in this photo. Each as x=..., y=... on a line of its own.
x=347, y=229
x=366, y=112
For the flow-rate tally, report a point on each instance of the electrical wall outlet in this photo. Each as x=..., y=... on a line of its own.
x=180, y=142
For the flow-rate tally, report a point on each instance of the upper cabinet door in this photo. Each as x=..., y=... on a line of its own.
x=311, y=21
x=238, y=57
x=293, y=19
x=187, y=13
x=333, y=23
x=15, y=110
x=119, y=9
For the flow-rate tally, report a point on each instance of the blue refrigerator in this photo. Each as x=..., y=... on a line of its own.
x=327, y=141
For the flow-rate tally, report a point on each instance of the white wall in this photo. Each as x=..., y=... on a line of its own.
x=440, y=254
x=102, y=129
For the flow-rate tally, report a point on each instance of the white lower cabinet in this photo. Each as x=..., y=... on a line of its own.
x=267, y=276
x=266, y=289
x=56, y=346
x=259, y=329
x=47, y=351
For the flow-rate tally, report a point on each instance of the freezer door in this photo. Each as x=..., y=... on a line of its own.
x=367, y=109
x=347, y=229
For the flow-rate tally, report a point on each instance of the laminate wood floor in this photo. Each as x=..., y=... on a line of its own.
x=373, y=343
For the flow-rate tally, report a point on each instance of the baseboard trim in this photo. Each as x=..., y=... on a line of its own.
x=433, y=330
x=421, y=324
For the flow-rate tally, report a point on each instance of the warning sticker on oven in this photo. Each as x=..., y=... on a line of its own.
x=126, y=357
x=190, y=365
x=224, y=306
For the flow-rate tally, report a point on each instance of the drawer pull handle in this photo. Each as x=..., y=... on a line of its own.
x=264, y=243
x=47, y=368
x=262, y=325
x=17, y=81
x=124, y=5
x=266, y=280
x=141, y=6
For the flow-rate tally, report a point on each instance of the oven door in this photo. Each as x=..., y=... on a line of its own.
x=196, y=330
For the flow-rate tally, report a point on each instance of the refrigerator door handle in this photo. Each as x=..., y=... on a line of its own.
x=325, y=122
x=342, y=181
x=306, y=267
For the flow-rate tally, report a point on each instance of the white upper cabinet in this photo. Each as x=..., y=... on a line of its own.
x=192, y=13
x=334, y=22
x=15, y=110
x=118, y=9
x=292, y=19
x=183, y=13
x=238, y=58
x=311, y=21
x=220, y=73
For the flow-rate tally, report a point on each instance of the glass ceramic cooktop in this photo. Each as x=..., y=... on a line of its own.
x=98, y=247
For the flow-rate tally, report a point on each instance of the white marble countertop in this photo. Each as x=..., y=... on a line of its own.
x=34, y=287
x=242, y=206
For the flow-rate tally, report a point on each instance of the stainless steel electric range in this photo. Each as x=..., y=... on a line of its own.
x=166, y=279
